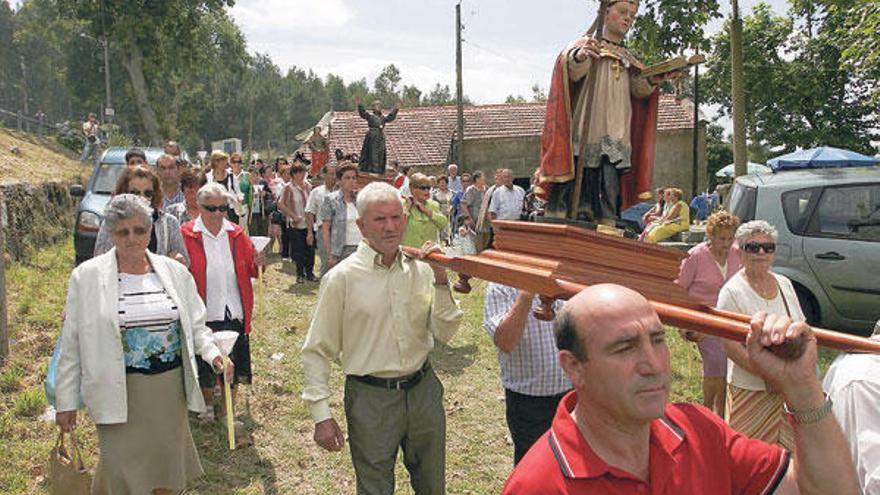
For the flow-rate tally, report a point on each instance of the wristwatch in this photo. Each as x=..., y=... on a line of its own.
x=810, y=416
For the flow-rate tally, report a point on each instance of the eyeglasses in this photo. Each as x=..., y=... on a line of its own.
x=236, y=161
x=423, y=188
x=754, y=247
x=212, y=208
x=147, y=193
x=138, y=231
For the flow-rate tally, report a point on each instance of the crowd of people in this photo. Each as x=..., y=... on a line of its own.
x=586, y=396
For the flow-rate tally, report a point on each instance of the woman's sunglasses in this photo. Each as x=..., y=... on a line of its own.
x=146, y=193
x=213, y=208
x=754, y=247
x=138, y=231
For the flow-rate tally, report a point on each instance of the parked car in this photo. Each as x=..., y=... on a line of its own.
x=829, y=238
x=95, y=196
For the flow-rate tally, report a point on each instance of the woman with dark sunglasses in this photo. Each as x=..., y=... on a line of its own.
x=165, y=238
x=752, y=407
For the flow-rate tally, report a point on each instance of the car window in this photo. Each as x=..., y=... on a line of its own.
x=851, y=212
x=795, y=208
x=105, y=177
x=742, y=202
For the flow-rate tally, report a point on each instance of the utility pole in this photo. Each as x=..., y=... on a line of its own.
x=459, y=94
x=695, y=183
x=108, y=110
x=737, y=83
x=4, y=329
x=24, y=94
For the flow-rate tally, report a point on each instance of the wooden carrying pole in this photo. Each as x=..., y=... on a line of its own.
x=705, y=320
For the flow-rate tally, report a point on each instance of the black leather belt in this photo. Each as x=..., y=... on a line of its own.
x=399, y=383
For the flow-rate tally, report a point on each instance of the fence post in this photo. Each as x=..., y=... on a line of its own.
x=19, y=121
x=4, y=329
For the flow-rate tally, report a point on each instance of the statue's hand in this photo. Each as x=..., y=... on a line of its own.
x=586, y=47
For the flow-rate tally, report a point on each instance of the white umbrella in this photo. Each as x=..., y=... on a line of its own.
x=752, y=168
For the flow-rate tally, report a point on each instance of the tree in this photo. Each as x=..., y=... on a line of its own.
x=514, y=99
x=670, y=27
x=719, y=151
x=797, y=94
x=859, y=37
x=538, y=94
x=440, y=95
x=138, y=27
x=385, y=86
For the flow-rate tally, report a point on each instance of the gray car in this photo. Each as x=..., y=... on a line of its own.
x=829, y=238
x=95, y=196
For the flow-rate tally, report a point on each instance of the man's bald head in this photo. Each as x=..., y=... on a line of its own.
x=602, y=307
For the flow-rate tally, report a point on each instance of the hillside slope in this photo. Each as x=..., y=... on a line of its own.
x=39, y=159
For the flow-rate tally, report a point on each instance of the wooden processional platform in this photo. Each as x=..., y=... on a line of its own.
x=558, y=260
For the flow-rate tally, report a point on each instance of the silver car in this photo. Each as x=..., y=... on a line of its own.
x=829, y=238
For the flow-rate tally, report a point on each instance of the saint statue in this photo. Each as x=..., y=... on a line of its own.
x=372, y=158
x=601, y=118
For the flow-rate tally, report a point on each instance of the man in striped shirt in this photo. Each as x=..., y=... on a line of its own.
x=533, y=381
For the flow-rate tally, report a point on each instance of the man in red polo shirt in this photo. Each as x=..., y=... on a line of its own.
x=616, y=433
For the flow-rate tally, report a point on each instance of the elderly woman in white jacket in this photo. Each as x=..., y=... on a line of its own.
x=134, y=327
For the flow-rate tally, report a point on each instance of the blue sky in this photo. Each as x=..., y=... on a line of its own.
x=509, y=44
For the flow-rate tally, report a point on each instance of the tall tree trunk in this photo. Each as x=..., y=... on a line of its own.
x=737, y=85
x=133, y=61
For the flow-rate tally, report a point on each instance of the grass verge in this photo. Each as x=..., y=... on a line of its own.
x=284, y=459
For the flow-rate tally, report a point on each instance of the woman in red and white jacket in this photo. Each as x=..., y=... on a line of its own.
x=223, y=262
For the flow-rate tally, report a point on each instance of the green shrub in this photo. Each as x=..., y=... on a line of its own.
x=10, y=379
x=30, y=403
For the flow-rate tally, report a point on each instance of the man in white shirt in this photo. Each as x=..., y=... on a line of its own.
x=90, y=145
x=853, y=384
x=453, y=179
x=313, y=214
x=378, y=315
x=507, y=199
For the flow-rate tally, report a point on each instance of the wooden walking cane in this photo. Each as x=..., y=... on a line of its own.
x=590, y=87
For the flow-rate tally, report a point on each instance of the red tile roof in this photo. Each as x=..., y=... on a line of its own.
x=422, y=135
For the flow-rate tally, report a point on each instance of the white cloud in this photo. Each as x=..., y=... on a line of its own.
x=285, y=16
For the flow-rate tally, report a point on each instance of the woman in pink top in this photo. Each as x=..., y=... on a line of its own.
x=708, y=266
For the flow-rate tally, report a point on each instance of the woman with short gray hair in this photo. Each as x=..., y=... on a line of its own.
x=752, y=408
x=132, y=307
x=755, y=227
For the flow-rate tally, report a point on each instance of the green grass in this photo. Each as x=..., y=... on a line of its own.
x=284, y=458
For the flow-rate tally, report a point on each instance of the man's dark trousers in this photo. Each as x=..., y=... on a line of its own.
x=528, y=417
x=381, y=421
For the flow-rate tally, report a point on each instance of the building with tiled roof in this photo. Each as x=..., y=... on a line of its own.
x=506, y=135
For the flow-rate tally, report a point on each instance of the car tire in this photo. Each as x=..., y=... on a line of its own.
x=809, y=304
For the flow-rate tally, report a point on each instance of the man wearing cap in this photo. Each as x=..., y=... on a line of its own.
x=616, y=433
x=616, y=168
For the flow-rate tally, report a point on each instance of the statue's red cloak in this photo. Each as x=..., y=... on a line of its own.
x=557, y=157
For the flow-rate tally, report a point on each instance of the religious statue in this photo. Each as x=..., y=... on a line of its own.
x=597, y=148
x=317, y=143
x=372, y=159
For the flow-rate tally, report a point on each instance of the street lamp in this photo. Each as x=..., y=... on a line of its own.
x=108, y=109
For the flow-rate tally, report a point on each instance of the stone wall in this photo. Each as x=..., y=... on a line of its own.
x=35, y=215
x=522, y=155
x=673, y=162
